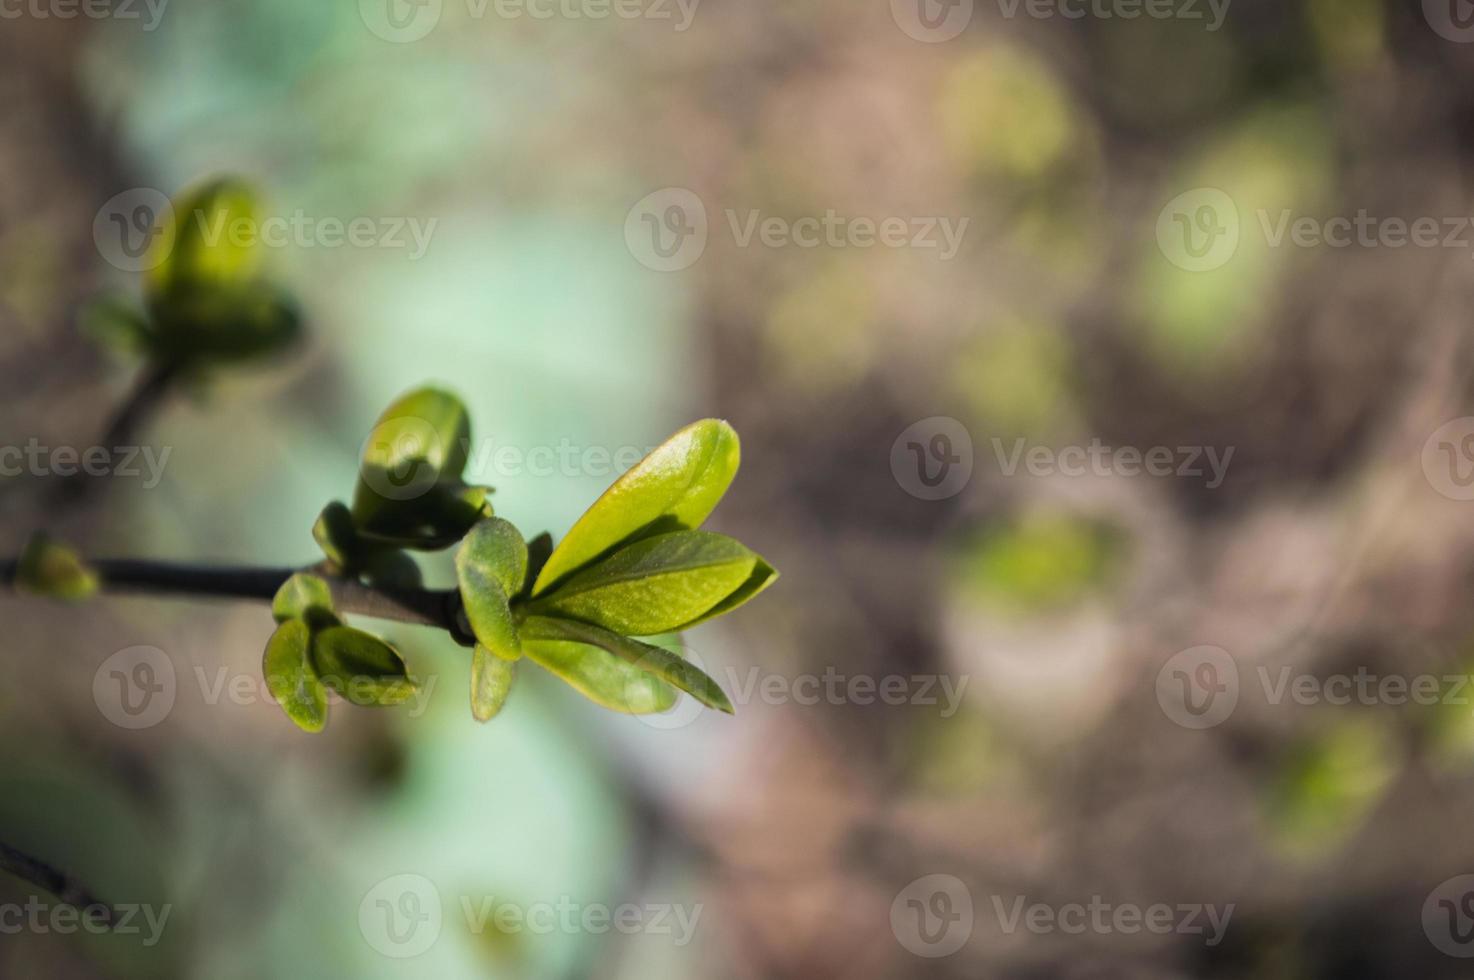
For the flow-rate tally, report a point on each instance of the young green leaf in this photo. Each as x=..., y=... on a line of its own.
x=209, y=240
x=287, y=667
x=392, y=569
x=420, y=441
x=539, y=549
x=601, y=677
x=54, y=570
x=360, y=666
x=116, y=324
x=305, y=597
x=229, y=322
x=496, y=548
x=677, y=486
x=763, y=575
x=491, y=681
x=655, y=585
x=488, y=610
x=336, y=536
x=660, y=663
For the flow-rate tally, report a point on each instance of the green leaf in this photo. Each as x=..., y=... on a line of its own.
x=601, y=677
x=763, y=575
x=654, y=585
x=677, y=486
x=496, y=548
x=392, y=569
x=54, y=570
x=336, y=536
x=360, y=666
x=491, y=682
x=210, y=240
x=305, y=597
x=660, y=663
x=538, y=551
x=117, y=325
x=291, y=679
x=431, y=522
x=234, y=322
x=488, y=610
x=419, y=442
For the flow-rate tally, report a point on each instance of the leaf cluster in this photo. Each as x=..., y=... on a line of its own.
x=206, y=297
x=634, y=566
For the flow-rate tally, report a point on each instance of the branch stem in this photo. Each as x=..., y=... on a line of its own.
x=421, y=607
x=66, y=888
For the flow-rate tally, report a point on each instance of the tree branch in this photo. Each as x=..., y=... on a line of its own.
x=421, y=607
x=131, y=416
x=66, y=888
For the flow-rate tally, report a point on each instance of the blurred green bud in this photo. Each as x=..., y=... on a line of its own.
x=204, y=291
x=54, y=570
x=208, y=239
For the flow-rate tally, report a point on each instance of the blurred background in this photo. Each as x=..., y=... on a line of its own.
x=957, y=274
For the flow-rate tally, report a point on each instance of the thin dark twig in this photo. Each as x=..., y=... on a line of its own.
x=122, y=429
x=145, y=399
x=422, y=607
x=52, y=879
